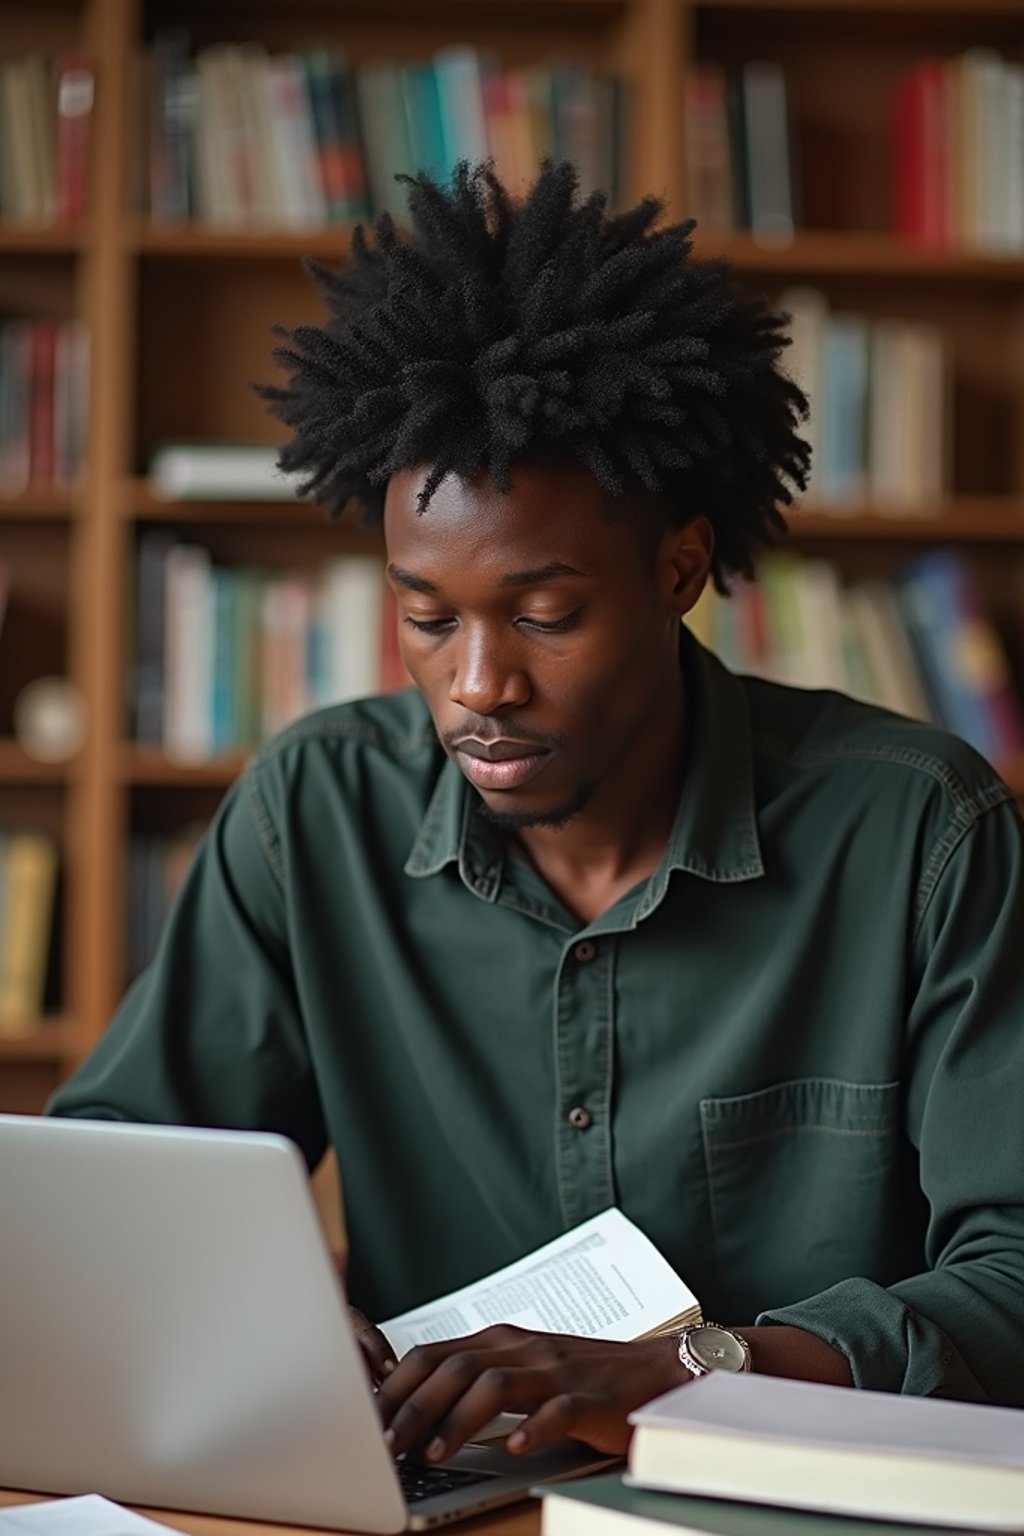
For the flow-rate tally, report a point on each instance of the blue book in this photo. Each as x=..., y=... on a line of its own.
x=842, y=470
x=423, y=120
x=940, y=612
x=223, y=707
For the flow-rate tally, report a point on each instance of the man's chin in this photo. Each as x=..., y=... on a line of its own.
x=521, y=818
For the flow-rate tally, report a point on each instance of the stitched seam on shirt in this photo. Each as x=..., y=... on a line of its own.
x=265, y=834
x=994, y=793
x=939, y=863
x=720, y=1145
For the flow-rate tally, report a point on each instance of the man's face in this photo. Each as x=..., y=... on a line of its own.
x=542, y=632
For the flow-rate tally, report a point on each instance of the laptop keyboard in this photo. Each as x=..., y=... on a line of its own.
x=420, y=1482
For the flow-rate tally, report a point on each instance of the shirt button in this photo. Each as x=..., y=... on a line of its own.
x=580, y=1118
x=584, y=951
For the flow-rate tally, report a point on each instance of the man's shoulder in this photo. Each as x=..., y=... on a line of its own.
x=811, y=730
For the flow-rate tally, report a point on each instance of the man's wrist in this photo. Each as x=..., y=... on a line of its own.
x=778, y=1349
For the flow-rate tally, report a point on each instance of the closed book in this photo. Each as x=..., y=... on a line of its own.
x=878, y=1455
x=41, y=444
x=15, y=404
x=961, y=654
x=921, y=104
x=295, y=159
x=460, y=74
x=708, y=153
x=322, y=66
x=385, y=137
x=768, y=156
x=842, y=470
x=608, y=1506
x=150, y=620
x=30, y=882
x=422, y=108
x=172, y=128
x=220, y=472
x=188, y=653
x=75, y=93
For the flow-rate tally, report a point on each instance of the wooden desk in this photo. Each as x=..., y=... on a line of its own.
x=517, y=1520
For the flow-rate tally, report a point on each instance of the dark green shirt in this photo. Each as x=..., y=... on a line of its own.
x=794, y=1055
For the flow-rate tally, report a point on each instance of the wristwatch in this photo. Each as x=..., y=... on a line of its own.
x=705, y=1347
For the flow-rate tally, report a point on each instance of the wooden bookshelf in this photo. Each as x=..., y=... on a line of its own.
x=180, y=318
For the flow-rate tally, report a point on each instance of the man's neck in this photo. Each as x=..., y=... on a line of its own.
x=619, y=839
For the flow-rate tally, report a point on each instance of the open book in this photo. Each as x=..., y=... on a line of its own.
x=602, y=1280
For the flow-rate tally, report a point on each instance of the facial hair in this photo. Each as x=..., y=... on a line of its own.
x=556, y=818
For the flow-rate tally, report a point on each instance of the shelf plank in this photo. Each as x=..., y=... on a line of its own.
x=179, y=242
x=43, y=503
x=857, y=254
x=51, y=1038
x=16, y=767
x=43, y=239
x=969, y=519
x=139, y=501
x=892, y=8
x=150, y=766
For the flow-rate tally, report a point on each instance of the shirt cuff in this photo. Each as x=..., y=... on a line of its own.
x=890, y=1347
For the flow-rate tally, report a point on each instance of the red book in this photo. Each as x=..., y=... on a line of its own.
x=41, y=446
x=921, y=145
x=75, y=93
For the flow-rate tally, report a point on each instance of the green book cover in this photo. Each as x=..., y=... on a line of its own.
x=595, y=1506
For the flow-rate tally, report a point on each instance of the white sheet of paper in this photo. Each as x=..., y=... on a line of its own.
x=88, y=1514
x=602, y=1280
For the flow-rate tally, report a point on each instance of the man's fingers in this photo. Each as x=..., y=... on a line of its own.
x=559, y=1418
x=377, y=1352
x=496, y=1390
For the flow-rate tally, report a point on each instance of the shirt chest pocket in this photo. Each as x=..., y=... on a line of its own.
x=802, y=1185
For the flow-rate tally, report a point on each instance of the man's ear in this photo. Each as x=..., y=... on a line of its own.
x=685, y=563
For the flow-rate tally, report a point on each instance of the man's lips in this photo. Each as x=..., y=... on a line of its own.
x=503, y=764
x=500, y=751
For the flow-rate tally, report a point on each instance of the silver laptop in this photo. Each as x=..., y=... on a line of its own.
x=173, y=1333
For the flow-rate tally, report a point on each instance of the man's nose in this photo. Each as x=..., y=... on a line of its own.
x=487, y=677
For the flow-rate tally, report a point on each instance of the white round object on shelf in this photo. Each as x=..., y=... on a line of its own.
x=49, y=719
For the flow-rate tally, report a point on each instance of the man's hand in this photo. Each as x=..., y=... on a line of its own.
x=440, y=1395
x=378, y=1356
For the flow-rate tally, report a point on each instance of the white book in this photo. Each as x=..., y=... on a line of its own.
x=188, y=654
x=296, y=172
x=882, y=1455
x=220, y=472
x=352, y=610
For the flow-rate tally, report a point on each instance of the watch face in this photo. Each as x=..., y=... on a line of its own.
x=716, y=1349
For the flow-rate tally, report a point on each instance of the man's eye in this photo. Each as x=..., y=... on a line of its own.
x=552, y=626
x=429, y=626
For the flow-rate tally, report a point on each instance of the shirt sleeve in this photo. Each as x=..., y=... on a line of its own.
x=211, y=1033
x=957, y=1329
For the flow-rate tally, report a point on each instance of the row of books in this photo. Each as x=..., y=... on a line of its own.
x=958, y=129
x=240, y=137
x=28, y=898
x=880, y=406
x=157, y=865
x=45, y=128
x=228, y=656
x=741, y=172
x=44, y=390
x=921, y=645
x=957, y=163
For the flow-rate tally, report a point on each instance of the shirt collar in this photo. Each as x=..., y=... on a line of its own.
x=715, y=831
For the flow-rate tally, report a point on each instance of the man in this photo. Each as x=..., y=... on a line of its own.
x=585, y=919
